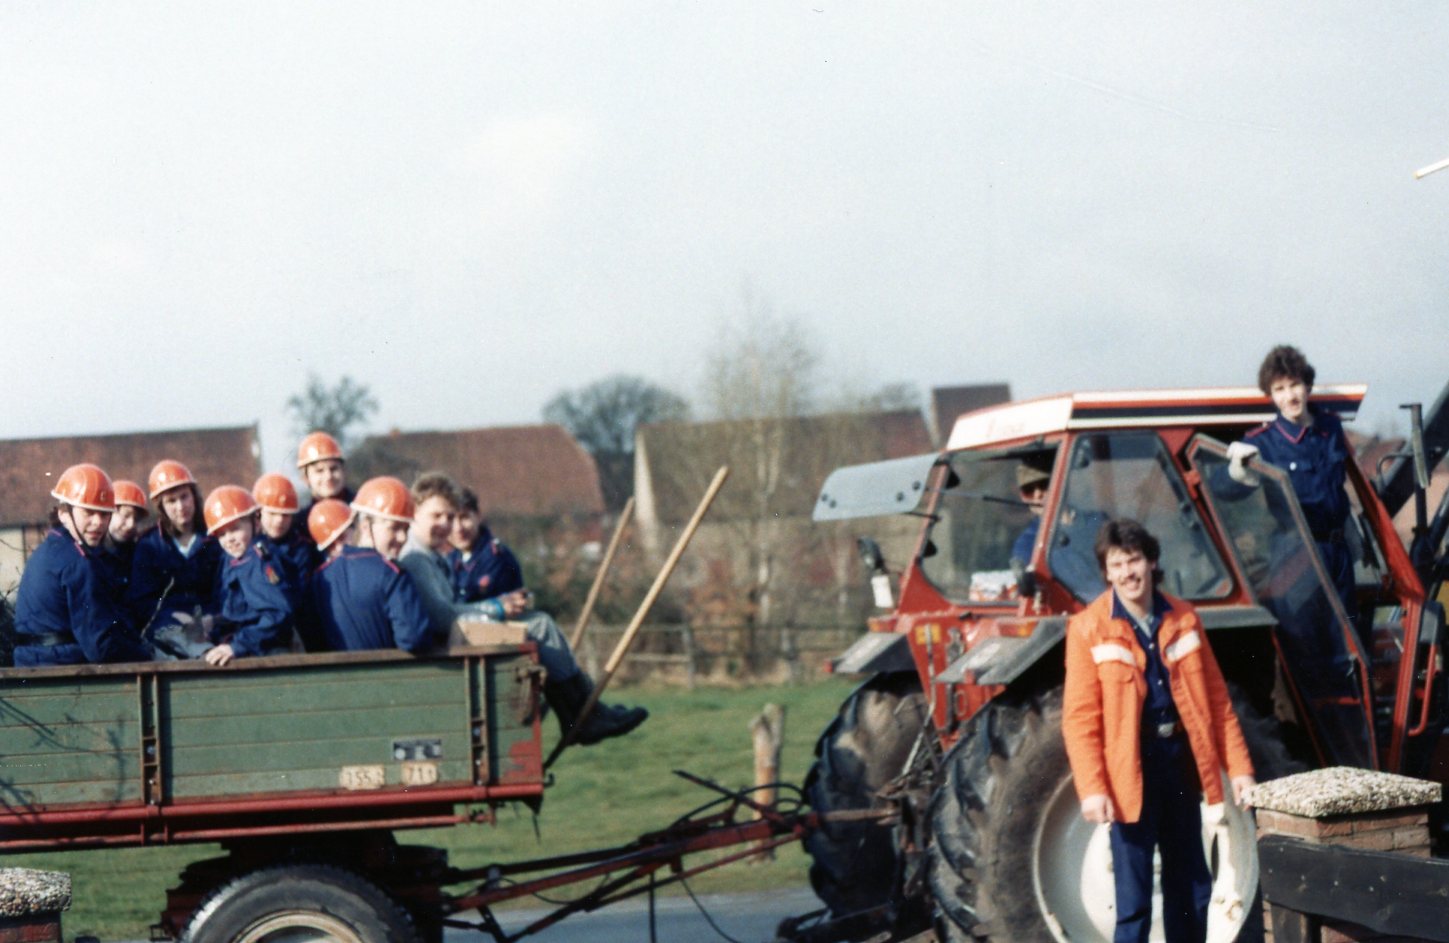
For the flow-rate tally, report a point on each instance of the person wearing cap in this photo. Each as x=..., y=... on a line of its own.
x=176, y=566
x=256, y=609
x=567, y=689
x=1033, y=474
x=361, y=598
x=289, y=546
x=1149, y=731
x=129, y=519
x=67, y=611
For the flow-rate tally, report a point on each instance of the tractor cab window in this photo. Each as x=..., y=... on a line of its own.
x=985, y=513
x=1131, y=475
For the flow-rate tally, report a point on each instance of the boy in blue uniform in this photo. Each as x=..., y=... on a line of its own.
x=287, y=544
x=361, y=598
x=1309, y=444
x=256, y=611
x=176, y=566
x=483, y=566
x=68, y=612
x=324, y=469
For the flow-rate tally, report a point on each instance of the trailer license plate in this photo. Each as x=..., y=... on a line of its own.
x=362, y=777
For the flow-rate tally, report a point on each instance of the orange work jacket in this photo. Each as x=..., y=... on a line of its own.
x=1102, y=704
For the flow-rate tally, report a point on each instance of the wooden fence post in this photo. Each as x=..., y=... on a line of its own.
x=768, y=730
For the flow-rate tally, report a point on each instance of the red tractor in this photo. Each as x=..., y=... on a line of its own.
x=957, y=725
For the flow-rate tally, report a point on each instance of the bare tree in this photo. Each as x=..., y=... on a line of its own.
x=603, y=416
x=333, y=409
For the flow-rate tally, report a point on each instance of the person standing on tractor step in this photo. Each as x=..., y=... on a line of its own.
x=68, y=612
x=1148, y=729
x=567, y=688
x=1308, y=443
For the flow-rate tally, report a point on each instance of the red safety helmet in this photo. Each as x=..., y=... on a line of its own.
x=327, y=521
x=316, y=447
x=226, y=504
x=128, y=492
x=167, y=474
x=275, y=492
x=85, y=486
x=385, y=497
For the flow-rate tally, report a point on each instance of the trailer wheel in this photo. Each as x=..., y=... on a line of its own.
x=855, y=864
x=1010, y=857
x=300, y=903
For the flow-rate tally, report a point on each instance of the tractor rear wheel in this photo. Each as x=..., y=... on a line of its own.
x=1010, y=857
x=855, y=864
x=300, y=902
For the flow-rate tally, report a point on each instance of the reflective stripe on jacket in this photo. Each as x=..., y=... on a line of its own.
x=1105, y=689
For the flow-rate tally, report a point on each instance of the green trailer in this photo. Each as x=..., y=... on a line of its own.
x=301, y=766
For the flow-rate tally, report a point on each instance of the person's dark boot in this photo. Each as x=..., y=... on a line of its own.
x=567, y=698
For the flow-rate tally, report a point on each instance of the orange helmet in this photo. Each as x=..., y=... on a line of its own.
x=316, y=447
x=128, y=492
x=385, y=497
x=328, y=520
x=85, y=486
x=167, y=474
x=275, y=492
x=226, y=504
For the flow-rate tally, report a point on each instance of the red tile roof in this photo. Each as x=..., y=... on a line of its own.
x=29, y=467
x=516, y=470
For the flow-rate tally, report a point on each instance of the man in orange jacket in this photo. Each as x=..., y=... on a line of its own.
x=1149, y=728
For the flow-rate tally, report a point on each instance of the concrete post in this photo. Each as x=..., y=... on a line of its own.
x=30, y=905
x=1349, y=808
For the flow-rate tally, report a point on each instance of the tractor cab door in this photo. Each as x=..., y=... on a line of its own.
x=1319, y=651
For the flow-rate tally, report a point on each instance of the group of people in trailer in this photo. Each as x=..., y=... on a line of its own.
x=244, y=573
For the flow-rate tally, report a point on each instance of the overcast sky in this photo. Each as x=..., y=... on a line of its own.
x=470, y=206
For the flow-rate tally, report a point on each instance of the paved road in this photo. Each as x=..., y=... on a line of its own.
x=746, y=918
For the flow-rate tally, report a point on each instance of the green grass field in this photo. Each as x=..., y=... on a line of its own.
x=603, y=795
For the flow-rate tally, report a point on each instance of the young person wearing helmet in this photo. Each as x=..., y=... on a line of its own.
x=67, y=612
x=360, y=596
x=324, y=469
x=176, y=565
x=256, y=609
x=278, y=511
x=127, y=523
x=567, y=689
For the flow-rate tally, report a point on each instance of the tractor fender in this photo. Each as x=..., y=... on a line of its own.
x=875, y=653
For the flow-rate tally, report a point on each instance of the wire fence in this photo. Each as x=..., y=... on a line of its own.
x=684, y=654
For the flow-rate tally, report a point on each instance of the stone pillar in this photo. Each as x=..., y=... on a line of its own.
x=1349, y=808
x=30, y=905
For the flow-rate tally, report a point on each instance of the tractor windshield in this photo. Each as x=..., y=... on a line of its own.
x=1112, y=475
x=981, y=518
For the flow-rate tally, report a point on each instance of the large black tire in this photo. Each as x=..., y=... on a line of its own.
x=273, y=904
x=854, y=865
x=1005, y=798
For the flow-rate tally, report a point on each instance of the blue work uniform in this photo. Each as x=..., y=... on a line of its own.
x=364, y=601
x=296, y=558
x=1316, y=460
x=68, y=611
x=192, y=578
x=1171, y=820
x=490, y=570
x=118, y=563
x=256, y=610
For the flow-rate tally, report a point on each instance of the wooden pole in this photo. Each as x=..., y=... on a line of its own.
x=622, y=649
x=593, y=597
x=768, y=731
